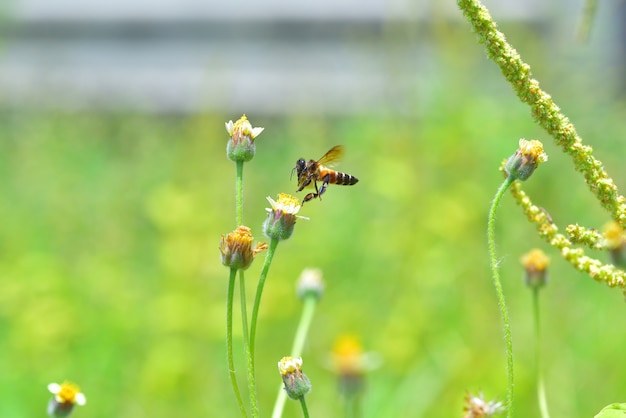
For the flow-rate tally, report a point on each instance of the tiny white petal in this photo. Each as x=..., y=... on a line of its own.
x=80, y=399
x=272, y=202
x=256, y=132
x=230, y=127
x=54, y=388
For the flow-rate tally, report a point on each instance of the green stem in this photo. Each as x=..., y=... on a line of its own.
x=229, y=341
x=501, y=302
x=255, y=313
x=246, y=342
x=305, y=410
x=310, y=303
x=244, y=312
x=352, y=410
x=541, y=391
x=259, y=291
x=239, y=193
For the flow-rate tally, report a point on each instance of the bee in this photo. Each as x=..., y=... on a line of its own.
x=314, y=171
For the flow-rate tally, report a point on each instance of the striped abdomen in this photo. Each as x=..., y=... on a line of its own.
x=337, y=177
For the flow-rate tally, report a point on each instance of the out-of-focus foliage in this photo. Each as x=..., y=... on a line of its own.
x=110, y=273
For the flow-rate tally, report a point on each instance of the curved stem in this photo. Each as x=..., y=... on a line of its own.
x=229, y=341
x=305, y=410
x=255, y=313
x=500, y=294
x=541, y=390
x=310, y=303
x=259, y=291
x=239, y=193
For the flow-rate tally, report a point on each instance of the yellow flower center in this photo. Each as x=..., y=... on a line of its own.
x=288, y=365
x=614, y=234
x=533, y=149
x=67, y=393
x=348, y=355
x=243, y=126
x=287, y=203
x=535, y=260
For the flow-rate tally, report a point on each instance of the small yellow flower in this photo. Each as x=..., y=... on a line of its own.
x=282, y=216
x=66, y=395
x=536, y=264
x=615, y=242
x=348, y=356
x=236, y=248
x=242, y=128
x=528, y=156
x=241, y=145
x=613, y=235
x=288, y=365
x=350, y=363
x=296, y=383
x=477, y=407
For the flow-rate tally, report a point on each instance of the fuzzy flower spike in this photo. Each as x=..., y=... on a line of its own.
x=526, y=159
x=66, y=395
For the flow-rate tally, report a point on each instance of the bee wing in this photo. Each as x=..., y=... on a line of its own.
x=332, y=156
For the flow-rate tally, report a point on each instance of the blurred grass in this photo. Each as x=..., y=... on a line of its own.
x=110, y=274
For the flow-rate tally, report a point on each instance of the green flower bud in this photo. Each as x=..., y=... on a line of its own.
x=282, y=217
x=296, y=383
x=241, y=145
x=523, y=163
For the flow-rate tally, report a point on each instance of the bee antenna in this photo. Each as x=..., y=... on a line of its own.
x=292, y=170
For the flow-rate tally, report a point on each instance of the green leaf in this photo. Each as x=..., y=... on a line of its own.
x=615, y=410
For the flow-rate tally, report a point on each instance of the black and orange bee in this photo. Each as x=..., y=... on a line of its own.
x=314, y=171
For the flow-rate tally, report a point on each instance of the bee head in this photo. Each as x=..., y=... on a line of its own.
x=299, y=168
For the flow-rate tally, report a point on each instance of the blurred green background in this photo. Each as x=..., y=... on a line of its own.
x=110, y=273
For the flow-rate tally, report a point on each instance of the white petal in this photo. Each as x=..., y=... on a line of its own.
x=230, y=127
x=256, y=132
x=54, y=388
x=272, y=202
x=80, y=399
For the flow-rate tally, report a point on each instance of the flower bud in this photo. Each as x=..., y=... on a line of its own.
x=310, y=283
x=66, y=395
x=241, y=145
x=535, y=263
x=282, y=217
x=296, y=383
x=523, y=163
x=236, y=249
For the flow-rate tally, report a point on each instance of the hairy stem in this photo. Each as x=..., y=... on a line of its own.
x=305, y=410
x=541, y=391
x=229, y=341
x=500, y=294
x=239, y=193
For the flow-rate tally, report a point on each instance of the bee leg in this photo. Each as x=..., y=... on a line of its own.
x=309, y=197
x=324, y=186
